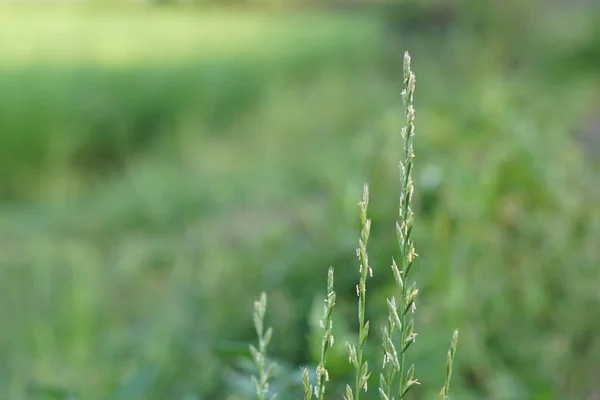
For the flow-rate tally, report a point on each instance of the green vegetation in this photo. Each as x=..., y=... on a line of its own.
x=83, y=94
x=160, y=167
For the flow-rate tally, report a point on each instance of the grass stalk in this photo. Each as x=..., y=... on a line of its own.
x=356, y=352
x=449, y=363
x=264, y=368
x=328, y=340
x=326, y=343
x=403, y=230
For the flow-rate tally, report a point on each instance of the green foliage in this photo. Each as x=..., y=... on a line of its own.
x=87, y=106
x=124, y=276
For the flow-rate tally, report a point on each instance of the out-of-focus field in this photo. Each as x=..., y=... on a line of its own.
x=129, y=36
x=85, y=88
x=159, y=167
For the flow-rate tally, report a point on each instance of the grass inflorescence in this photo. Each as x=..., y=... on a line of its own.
x=263, y=366
x=326, y=343
x=397, y=375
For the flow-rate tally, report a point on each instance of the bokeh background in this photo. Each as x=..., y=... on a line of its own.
x=163, y=163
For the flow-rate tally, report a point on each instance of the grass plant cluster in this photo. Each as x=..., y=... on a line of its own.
x=396, y=377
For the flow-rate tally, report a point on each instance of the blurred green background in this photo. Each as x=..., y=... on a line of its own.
x=162, y=164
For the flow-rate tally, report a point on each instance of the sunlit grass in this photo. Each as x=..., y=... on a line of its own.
x=126, y=35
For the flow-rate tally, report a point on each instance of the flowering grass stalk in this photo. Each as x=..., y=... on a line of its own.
x=394, y=360
x=449, y=362
x=264, y=368
x=326, y=344
x=399, y=333
x=356, y=353
x=403, y=230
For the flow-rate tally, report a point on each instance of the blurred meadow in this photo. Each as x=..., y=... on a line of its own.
x=162, y=164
